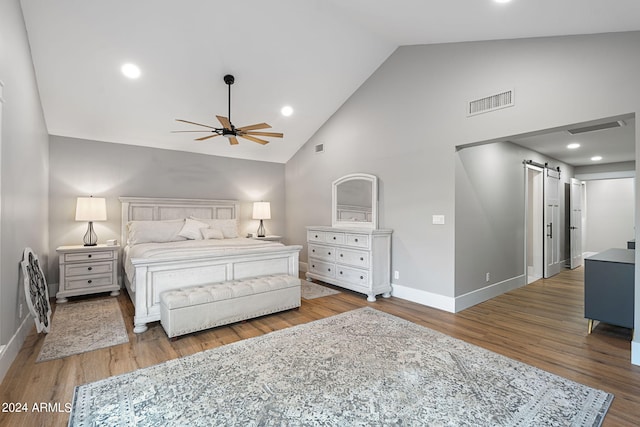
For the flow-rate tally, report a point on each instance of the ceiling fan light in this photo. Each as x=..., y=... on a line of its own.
x=131, y=70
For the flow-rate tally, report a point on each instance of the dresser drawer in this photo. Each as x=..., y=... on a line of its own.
x=357, y=240
x=352, y=275
x=87, y=268
x=88, y=256
x=352, y=257
x=322, y=268
x=89, y=282
x=337, y=238
x=315, y=236
x=326, y=253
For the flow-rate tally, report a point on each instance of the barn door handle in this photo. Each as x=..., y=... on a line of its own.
x=550, y=227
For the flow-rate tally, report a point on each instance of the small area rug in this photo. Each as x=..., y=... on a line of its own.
x=310, y=290
x=78, y=327
x=363, y=367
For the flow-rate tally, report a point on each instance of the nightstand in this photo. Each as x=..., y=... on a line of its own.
x=272, y=238
x=87, y=270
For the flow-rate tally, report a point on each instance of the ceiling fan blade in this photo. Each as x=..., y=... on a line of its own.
x=233, y=140
x=206, y=137
x=271, y=134
x=225, y=122
x=194, y=123
x=256, y=126
x=251, y=138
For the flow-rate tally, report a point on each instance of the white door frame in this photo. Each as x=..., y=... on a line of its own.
x=553, y=261
x=533, y=212
x=575, y=223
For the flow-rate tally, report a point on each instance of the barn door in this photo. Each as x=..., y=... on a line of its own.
x=552, y=257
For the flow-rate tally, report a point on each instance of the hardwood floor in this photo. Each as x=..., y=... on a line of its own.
x=540, y=324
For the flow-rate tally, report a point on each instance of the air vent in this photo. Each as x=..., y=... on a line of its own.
x=601, y=126
x=491, y=103
x=319, y=148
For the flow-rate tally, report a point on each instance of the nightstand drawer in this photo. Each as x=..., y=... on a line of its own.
x=89, y=282
x=88, y=256
x=88, y=268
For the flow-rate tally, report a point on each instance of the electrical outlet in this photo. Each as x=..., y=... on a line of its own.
x=396, y=274
x=488, y=277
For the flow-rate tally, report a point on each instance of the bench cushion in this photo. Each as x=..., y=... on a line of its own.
x=203, y=294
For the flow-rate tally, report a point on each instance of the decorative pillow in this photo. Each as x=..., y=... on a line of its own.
x=191, y=229
x=229, y=227
x=212, y=233
x=154, y=231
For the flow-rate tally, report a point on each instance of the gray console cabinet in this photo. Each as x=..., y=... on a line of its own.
x=609, y=287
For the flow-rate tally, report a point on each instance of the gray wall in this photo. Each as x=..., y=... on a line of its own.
x=81, y=167
x=610, y=214
x=404, y=123
x=24, y=168
x=490, y=213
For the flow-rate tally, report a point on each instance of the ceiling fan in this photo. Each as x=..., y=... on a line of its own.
x=228, y=130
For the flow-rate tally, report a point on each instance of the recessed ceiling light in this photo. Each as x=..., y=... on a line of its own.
x=596, y=158
x=573, y=146
x=130, y=70
x=286, y=110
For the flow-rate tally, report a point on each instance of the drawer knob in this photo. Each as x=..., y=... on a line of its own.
x=328, y=253
x=89, y=256
x=313, y=265
x=341, y=255
x=313, y=250
x=89, y=281
x=90, y=268
x=316, y=236
x=361, y=259
x=356, y=240
x=341, y=272
x=328, y=269
x=361, y=277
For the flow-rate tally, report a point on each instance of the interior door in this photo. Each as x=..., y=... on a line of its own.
x=575, y=226
x=552, y=257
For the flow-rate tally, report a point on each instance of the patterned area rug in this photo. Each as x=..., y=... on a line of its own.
x=78, y=327
x=310, y=290
x=363, y=367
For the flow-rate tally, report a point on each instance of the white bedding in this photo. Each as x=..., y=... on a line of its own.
x=191, y=248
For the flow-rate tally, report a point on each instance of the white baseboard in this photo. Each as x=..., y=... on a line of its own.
x=480, y=295
x=10, y=351
x=429, y=299
x=635, y=352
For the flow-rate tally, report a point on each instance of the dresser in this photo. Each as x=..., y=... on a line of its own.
x=87, y=270
x=355, y=259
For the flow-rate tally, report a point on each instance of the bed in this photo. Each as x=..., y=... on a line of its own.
x=161, y=250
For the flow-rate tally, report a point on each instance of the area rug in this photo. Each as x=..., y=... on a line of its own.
x=78, y=327
x=363, y=367
x=310, y=290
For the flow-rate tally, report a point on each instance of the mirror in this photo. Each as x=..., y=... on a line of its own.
x=355, y=201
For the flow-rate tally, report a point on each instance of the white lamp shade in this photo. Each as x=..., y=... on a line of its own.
x=91, y=209
x=261, y=210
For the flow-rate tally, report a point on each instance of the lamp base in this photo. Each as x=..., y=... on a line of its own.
x=90, y=237
x=261, y=230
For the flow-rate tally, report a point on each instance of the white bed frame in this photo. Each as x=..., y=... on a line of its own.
x=154, y=276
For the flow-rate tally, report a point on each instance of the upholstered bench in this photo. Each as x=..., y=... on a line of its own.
x=195, y=308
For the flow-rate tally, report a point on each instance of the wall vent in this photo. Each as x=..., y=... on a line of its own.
x=491, y=103
x=319, y=148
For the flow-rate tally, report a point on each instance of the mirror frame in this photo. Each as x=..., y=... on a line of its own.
x=373, y=224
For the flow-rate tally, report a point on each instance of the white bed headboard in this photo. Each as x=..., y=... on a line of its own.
x=157, y=209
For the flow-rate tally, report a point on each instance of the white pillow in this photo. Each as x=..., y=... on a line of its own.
x=154, y=231
x=229, y=227
x=212, y=233
x=191, y=229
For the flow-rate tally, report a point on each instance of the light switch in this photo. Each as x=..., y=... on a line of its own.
x=438, y=219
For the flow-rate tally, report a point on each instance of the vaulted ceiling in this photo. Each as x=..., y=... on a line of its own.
x=311, y=55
